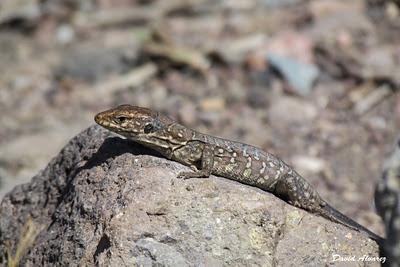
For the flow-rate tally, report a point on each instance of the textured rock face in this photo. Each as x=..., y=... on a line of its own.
x=107, y=201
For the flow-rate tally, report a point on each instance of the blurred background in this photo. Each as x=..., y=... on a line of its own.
x=314, y=82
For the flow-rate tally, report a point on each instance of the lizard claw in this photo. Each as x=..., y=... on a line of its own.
x=183, y=175
x=188, y=175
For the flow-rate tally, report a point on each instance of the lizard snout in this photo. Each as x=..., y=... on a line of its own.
x=100, y=118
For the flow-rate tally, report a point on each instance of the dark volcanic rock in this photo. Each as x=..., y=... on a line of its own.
x=107, y=201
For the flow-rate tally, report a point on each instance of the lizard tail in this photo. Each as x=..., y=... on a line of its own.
x=331, y=213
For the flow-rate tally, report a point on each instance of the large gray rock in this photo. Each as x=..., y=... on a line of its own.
x=108, y=201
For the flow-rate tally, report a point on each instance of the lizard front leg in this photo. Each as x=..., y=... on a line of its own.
x=200, y=157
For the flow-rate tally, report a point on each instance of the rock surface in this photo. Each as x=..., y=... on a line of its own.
x=107, y=201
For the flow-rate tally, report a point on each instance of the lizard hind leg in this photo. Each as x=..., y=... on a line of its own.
x=298, y=192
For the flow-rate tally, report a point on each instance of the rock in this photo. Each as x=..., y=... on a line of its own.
x=16, y=9
x=65, y=34
x=107, y=201
x=382, y=63
x=308, y=164
x=88, y=65
x=291, y=111
x=235, y=51
x=291, y=44
x=300, y=76
x=212, y=104
x=280, y=3
x=187, y=114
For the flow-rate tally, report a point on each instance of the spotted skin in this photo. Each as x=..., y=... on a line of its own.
x=207, y=155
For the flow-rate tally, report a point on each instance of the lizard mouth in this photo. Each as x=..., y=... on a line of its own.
x=105, y=121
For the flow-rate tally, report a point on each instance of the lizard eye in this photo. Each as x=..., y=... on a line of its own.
x=120, y=119
x=148, y=128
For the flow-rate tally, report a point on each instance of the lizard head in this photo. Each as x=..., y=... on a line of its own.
x=133, y=122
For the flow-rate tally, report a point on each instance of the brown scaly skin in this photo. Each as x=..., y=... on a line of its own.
x=208, y=155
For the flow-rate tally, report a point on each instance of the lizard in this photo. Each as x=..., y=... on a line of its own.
x=206, y=155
